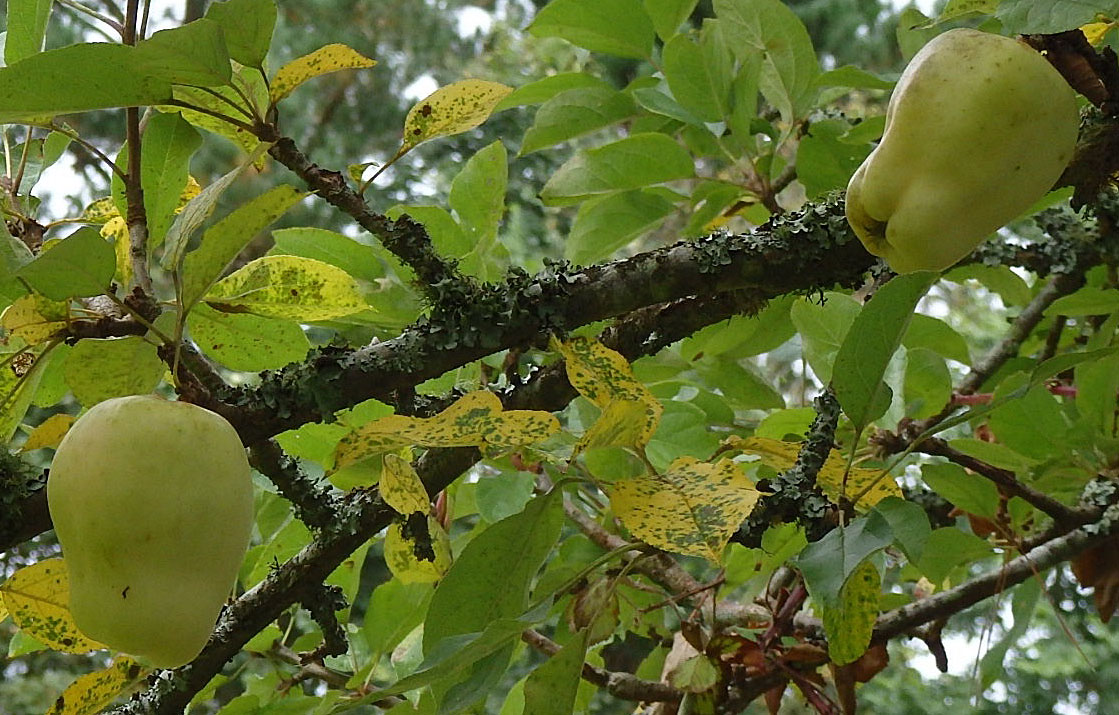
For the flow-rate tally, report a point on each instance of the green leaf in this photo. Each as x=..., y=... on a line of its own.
x=82, y=264
x=97, y=370
x=478, y=197
x=1033, y=17
x=551, y=688
x=193, y=215
x=360, y=260
x=699, y=73
x=1023, y=605
x=502, y=495
x=849, y=624
x=668, y=15
x=167, y=146
x=829, y=562
x=970, y=492
x=604, y=225
x=27, y=26
x=541, y=90
x=861, y=362
x=789, y=66
x=1086, y=301
x=1033, y=424
x=948, y=548
x=999, y=279
x=618, y=27
x=193, y=54
x=909, y=524
x=928, y=383
x=573, y=113
x=225, y=239
x=248, y=26
x=635, y=162
x=399, y=608
x=825, y=162
x=822, y=328
x=489, y=583
x=854, y=77
x=925, y=331
x=242, y=341
x=288, y=287
x=78, y=78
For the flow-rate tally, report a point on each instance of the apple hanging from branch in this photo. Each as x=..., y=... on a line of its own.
x=152, y=502
x=979, y=127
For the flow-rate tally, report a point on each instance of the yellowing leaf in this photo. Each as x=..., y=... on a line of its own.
x=401, y=487
x=291, y=287
x=693, y=508
x=92, y=692
x=115, y=229
x=38, y=598
x=322, y=61
x=604, y=377
x=49, y=433
x=3, y=610
x=449, y=110
x=1095, y=32
x=35, y=318
x=401, y=557
x=783, y=455
x=475, y=420
x=100, y=211
x=850, y=625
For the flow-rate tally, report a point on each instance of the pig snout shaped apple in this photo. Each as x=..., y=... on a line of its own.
x=152, y=503
x=978, y=128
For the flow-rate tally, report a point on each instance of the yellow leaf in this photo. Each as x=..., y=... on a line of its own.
x=1095, y=32
x=604, y=377
x=49, y=433
x=693, y=508
x=452, y=109
x=850, y=623
x=322, y=61
x=783, y=455
x=91, y=692
x=35, y=319
x=3, y=610
x=115, y=229
x=474, y=420
x=290, y=287
x=401, y=557
x=38, y=598
x=401, y=487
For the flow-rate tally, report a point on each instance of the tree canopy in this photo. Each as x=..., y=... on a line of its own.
x=568, y=387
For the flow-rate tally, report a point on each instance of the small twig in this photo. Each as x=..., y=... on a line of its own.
x=624, y=686
x=1005, y=479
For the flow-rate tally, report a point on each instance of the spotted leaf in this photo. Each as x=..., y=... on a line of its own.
x=400, y=555
x=850, y=623
x=37, y=596
x=401, y=487
x=291, y=287
x=453, y=109
x=49, y=433
x=35, y=318
x=92, y=692
x=322, y=61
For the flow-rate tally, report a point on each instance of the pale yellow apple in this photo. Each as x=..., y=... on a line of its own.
x=152, y=504
x=979, y=127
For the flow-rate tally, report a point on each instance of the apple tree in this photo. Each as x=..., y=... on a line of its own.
x=717, y=457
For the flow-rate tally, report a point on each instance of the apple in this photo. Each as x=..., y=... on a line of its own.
x=979, y=127
x=152, y=503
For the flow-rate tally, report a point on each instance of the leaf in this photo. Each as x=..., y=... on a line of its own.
x=970, y=492
x=82, y=264
x=573, y=113
x=400, y=554
x=551, y=688
x=360, y=260
x=543, y=89
x=947, y=548
x=400, y=487
x=97, y=370
x=636, y=162
x=193, y=54
x=191, y=218
x=875, y=335
x=243, y=341
x=490, y=582
x=669, y=15
x=453, y=109
x=248, y=27
x=822, y=328
x=27, y=26
x=783, y=455
x=603, y=225
x=619, y=27
x=829, y=562
x=699, y=74
x=478, y=199
x=78, y=78
x=1098, y=569
x=399, y=607
x=35, y=318
x=850, y=624
x=225, y=239
x=92, y=692
x=288, y=287
x=20, y=372
x=167, y=146
x=324, y=60
x=475, y=420
x=693, y=508
x=697, y=674
x=789, y=65
x=37, y=598
x=909, y=523
x=1032, y=17
x=49, y=432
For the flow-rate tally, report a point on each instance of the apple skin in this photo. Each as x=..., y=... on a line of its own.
x=152, y=502
x=979, y=127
